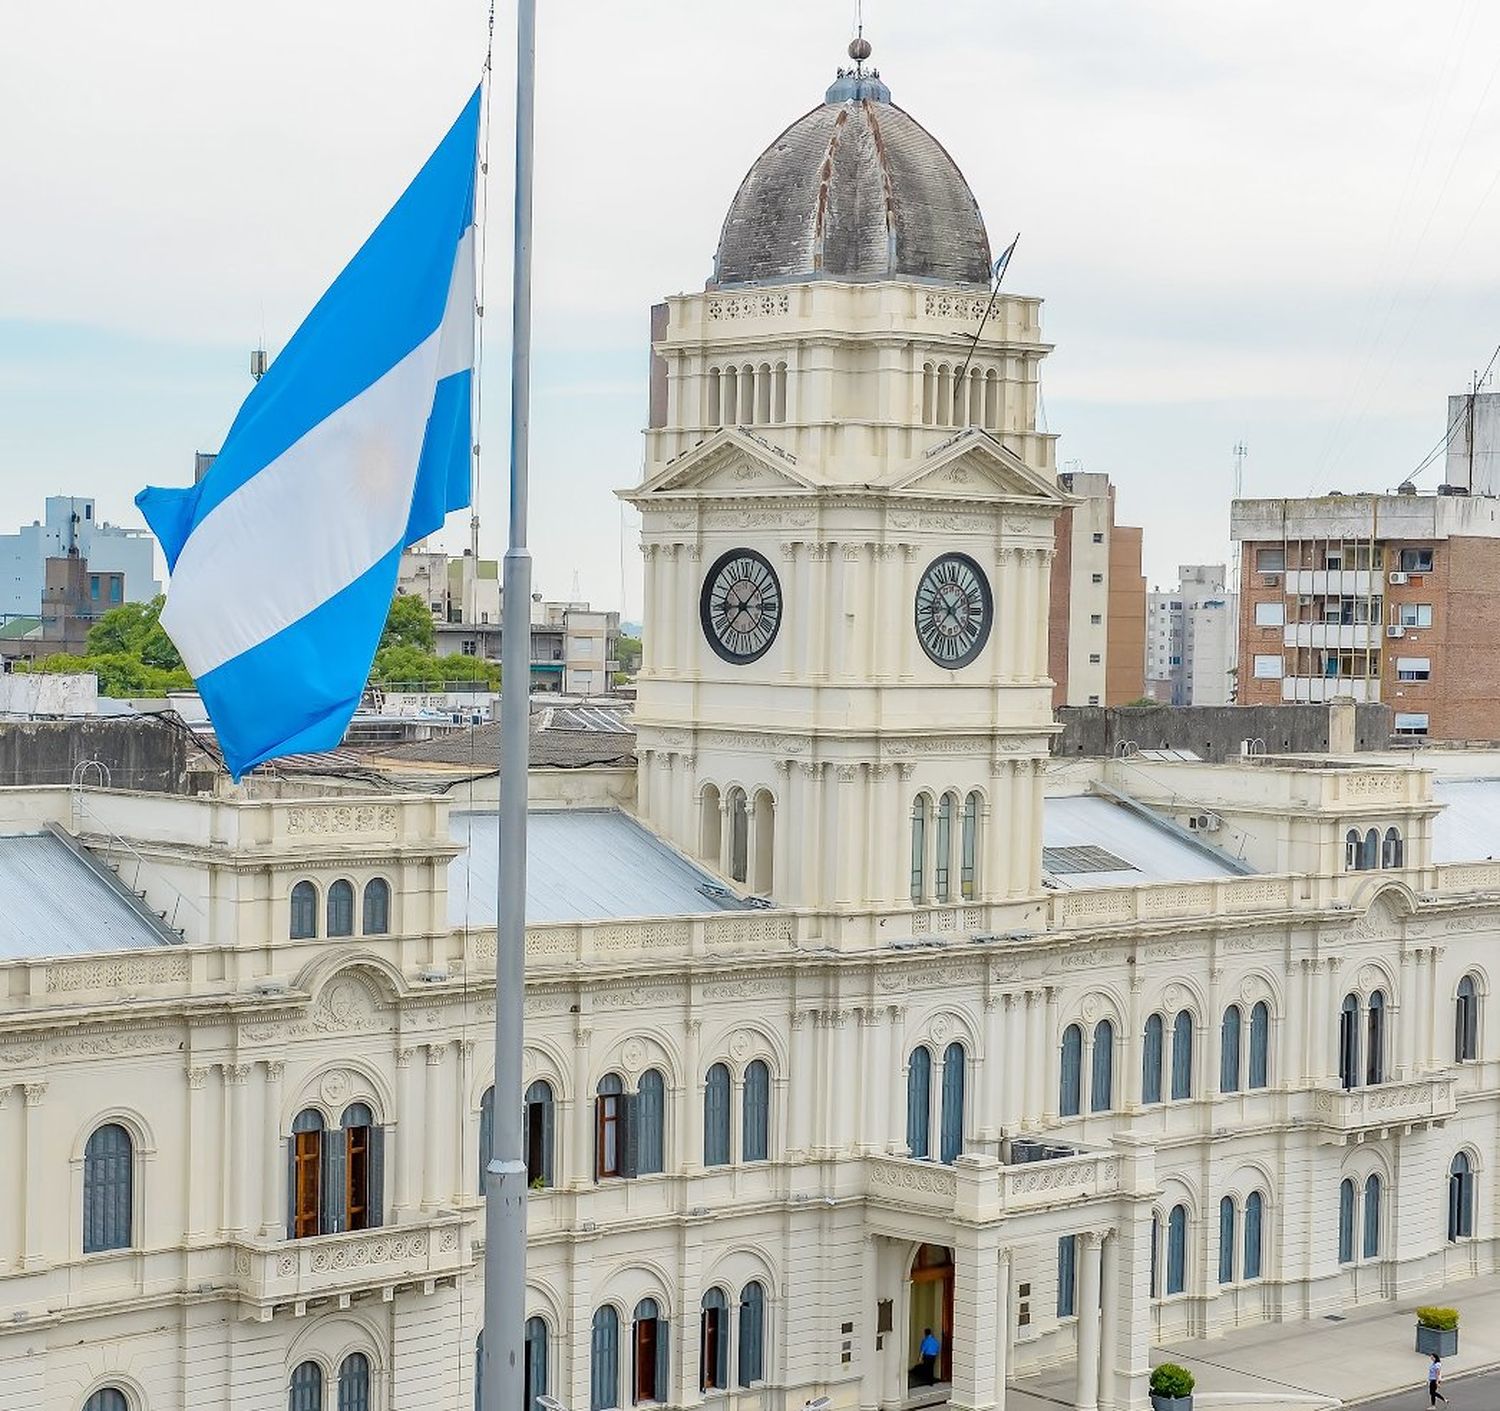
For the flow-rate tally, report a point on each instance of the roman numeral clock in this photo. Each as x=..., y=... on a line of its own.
x=954, y=610
x=740, y=606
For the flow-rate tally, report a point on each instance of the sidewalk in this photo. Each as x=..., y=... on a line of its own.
x=1370, y=1353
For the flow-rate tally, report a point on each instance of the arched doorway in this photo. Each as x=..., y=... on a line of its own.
x=931, y=1308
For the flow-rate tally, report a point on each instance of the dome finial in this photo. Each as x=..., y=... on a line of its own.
x=859, y=46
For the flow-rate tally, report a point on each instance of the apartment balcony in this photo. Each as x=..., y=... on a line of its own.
x=1335, y=582
x=293, y=1273
x=1355, y=1114
x=1367, y=636
x=1318, y=689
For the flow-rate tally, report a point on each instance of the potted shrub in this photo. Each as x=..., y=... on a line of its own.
x=1437, y=1331
x=1171, y=1388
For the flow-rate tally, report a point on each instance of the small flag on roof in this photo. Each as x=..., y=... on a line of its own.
x=355, y=443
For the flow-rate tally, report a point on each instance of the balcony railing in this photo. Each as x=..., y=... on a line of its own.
x=1347, y=1113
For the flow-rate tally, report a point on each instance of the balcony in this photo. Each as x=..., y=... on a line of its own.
x=1354, y=1114
x=295, y=1272
x=1318, y=689
x=1335, y=582
x=980, y=1188
x=1364, y=635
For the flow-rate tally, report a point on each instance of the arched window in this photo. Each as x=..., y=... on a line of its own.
x=364, y=1169
x=304, y=912
x=1346, y=1221
x=1070, y=1077
x=609, y=1127
x=107, y=1195
x=341, y=909
x=1466, y=1021
x=1372, y=1216
x=710, y=825
x=751, y=1362
x=713, y=1344
x=604, y=1360
x=918, y=1101
x=1226, y=1240
x=1349, y=1042
x=1369, y=856
x=945, y=395
x=716, y=1116
x=1351, y=850
x=1155, y=1284
x=536, y=1363
x=764, y=810
x=951, y=1129
x=1260, y=1044
x=1460, y=1198
x=306, y=1393
x=943, y=847
x=715, y=403
x=1182, y=1055
x=919, y=811
x=1229, y=1051
x=354, y=1383
x=486, y=1133
x=1067, y=1276
x=755, y=1136
x=1177, y=1250
x=1391, y=851
x=1151, y=1061
x=1255, y=1212
x=651, y=1120
x=1102, y=1076
x=778, y=394
x=739, y=835
x=305, y=1176
x=747, y=395
x=968, y=866
x=539, y=1133
x=650, y=1377
x=377, y=907
x=929, y=394
x=1375, y=1039
x=763, y=394
x=992, y=399
x=731, y=412
x=107, y=1399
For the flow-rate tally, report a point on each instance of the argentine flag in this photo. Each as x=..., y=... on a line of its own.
x=354, y=444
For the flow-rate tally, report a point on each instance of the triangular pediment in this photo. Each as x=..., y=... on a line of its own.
x=730, y=462
x=975, y=466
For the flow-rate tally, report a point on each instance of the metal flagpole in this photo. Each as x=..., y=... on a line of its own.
x=503, y=1370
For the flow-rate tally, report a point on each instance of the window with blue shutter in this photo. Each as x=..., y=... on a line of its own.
x=713, y=1346
x=755, y=1139
x=486, y=1133
x=1255, y=1213
x=1102, y=1076
x=363, y=1163
x=536, y=1363
x=1375, y=1039
x=354, y=1383
x=604, y=1362
x=1070, y=1083
x=1260, y=1044
x=1067, y=1275
x=107, y=1189
x=1182, y=1056
x=341, y=909
x=651, y=1119
x=919, y=849
x=1177, y=1249
x=1151, y=1061
x=306, y=1392
x=609, y=1127
x=1372, y=1216
x=943, y=847
x=716, y=1116
x=1346, y=1221
x=304, y=1181
x=1226, y=1241
x=107, y=1399
x=1466, y=1021
x=538, y=1133
x=752, y=1350
x=969, y=849
x=304, y=923
x=918, y=1101
x=1349, y=1042
x=1155, y=1284
x=951, y=1131
x=377, y=907
x=1229, y=1051
x=1460, y=1198
x=650, y=1365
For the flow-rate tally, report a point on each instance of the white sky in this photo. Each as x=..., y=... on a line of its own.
x=1274, y=221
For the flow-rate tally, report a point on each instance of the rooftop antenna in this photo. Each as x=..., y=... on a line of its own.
x=259, y=362
x=859, y=46
x=1241, y=450
x=576, y=596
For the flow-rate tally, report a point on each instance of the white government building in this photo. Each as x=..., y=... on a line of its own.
x=849, y=1013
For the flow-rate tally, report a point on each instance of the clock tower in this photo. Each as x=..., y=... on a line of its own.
x=847, y=525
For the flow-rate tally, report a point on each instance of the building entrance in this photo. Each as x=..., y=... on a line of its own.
x=931, y=1313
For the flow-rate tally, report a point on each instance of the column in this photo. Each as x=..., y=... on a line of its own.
x=578, y=1168
x=458, y=1146
x=1109, y=1319
x=784, y=819
x=1031, y=1104
x=841, y=1057
x=645, y=775
x=976, y=1339
x=895, y=1131
x=1086, y=1385
x=726, y=838
x=1048, y=1104
x=870, y=1068
x=801, y=1089
x=37, y=1182
x=1128, y=1085
x=198, y=1140
x=869, y=1361
x=1013, y=1088
x=1408, y=1011
x=1002, y=1327
x=899, y=816
x=670, y=608
x=908, y=639
x=272, y=1207
x=795, y=650
x=237, y=1155
x=1213, y=1035
x=847, y=834
x=692, y=1087
x=1429, y=1009
x=433, y=1185
x=990, y=1074
x=1321, y=1022
x=816, y=891
x=651, y=646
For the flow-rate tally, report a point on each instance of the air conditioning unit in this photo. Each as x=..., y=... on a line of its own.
x=1210, y=822
x=1397, y=579
x=1395, y=630
x=1271, y=580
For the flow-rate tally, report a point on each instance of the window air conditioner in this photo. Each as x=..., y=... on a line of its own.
x=1395, y=630
x=1210, y=822
x=1397, y=579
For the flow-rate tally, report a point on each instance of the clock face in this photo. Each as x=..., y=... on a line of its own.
x=954, y=610
x=740, y=606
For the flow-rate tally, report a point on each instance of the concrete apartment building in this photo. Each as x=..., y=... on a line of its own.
x=1191, y=636
x=71, y=525
x=1097, y=622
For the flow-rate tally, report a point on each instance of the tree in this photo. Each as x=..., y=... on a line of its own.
x=134, y=629
x=408, y=624
x=402, y=665
x=628, y=651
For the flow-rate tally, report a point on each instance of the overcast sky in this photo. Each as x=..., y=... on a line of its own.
x=1274, y=221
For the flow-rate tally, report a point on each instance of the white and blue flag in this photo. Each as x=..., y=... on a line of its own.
x=354, y=444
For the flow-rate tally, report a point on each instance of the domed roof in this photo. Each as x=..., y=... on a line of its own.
x=856, y=190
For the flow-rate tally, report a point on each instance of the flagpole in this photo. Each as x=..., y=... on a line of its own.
x=503, y=1372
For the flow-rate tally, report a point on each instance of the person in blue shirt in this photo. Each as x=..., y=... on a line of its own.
x=928, y=1350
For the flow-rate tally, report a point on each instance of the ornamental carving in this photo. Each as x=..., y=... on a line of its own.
x=23, y=1053
x=119, y=1042
x=335, y=1087
x=959, y=306
x=342, y=818
x=914, y=1176
x=740, y=1045
x=116, y=972
x=346, y=1005
x=633, y=1056
x=738, y=306
x=642, y=936
x=749, y=987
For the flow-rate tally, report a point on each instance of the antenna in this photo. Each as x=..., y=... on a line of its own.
x=1241, y=450
x=577, y=594
x=259, y=362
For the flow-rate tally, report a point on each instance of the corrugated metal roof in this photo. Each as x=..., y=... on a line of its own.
x=581, y=865
x=1152, y=853
x=1468, y=828
x=51, y=903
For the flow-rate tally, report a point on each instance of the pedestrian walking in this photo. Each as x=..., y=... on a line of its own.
x=1434, y=1379
x=929, y=1349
